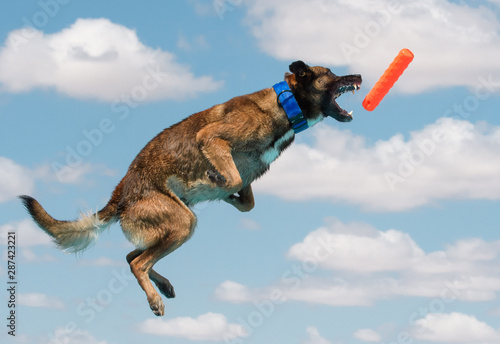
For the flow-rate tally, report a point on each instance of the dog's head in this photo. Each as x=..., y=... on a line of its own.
x=316, y=89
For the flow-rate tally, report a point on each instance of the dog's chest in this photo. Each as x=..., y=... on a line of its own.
x=273, y=152
x=251, y=163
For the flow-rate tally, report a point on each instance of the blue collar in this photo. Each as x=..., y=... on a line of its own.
x=291, y=107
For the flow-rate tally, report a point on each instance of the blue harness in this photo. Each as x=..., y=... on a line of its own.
x=291, y=107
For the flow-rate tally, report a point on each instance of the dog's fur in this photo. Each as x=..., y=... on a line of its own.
x=212, y=155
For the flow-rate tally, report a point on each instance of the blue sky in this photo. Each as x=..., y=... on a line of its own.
x=381, y=230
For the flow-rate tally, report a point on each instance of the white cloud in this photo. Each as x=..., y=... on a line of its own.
x=358, y=247
x=31, y=257
x=233, y=292
x=445, y=37
x=14, y=180
x=495, y=312
x=206, y=327
x=101, y=261
x=70, y=174
x=196, y=43
x=70, y=335
x=97, y=59
x=367, y=265
x=367, y=335
x=334, y=291
x=27, y=233
x=41, y=301
x=361, y=248
x=473, y=249
x=315, y=337
x=326, y=291
x=18, y=180
x=495, y=2
x=454, y=328
x=249, y=224
x=469, y=265
x=449, y=159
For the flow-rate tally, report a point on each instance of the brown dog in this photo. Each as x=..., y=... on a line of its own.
x=212, y=155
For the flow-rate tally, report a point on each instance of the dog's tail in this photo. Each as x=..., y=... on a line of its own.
x=74, y=236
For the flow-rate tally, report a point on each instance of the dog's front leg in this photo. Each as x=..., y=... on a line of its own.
x=218, y=152
x=243, y=201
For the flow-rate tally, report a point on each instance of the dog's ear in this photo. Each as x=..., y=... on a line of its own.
x=299, y=68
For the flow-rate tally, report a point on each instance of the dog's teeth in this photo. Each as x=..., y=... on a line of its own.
x=352, y=91
x=350, y=113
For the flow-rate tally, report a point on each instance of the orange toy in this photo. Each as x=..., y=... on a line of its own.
x=387, y=80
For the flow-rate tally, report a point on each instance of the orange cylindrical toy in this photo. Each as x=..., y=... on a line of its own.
x=387, y=80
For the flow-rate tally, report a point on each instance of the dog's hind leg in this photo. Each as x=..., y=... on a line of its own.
x=158, y=225
x=162, y=283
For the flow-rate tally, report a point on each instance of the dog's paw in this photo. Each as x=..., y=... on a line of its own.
x=238, y=203
x=157, y=306
x=216, y=178
x=166, y=288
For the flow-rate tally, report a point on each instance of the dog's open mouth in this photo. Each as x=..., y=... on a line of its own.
x=341, y=114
